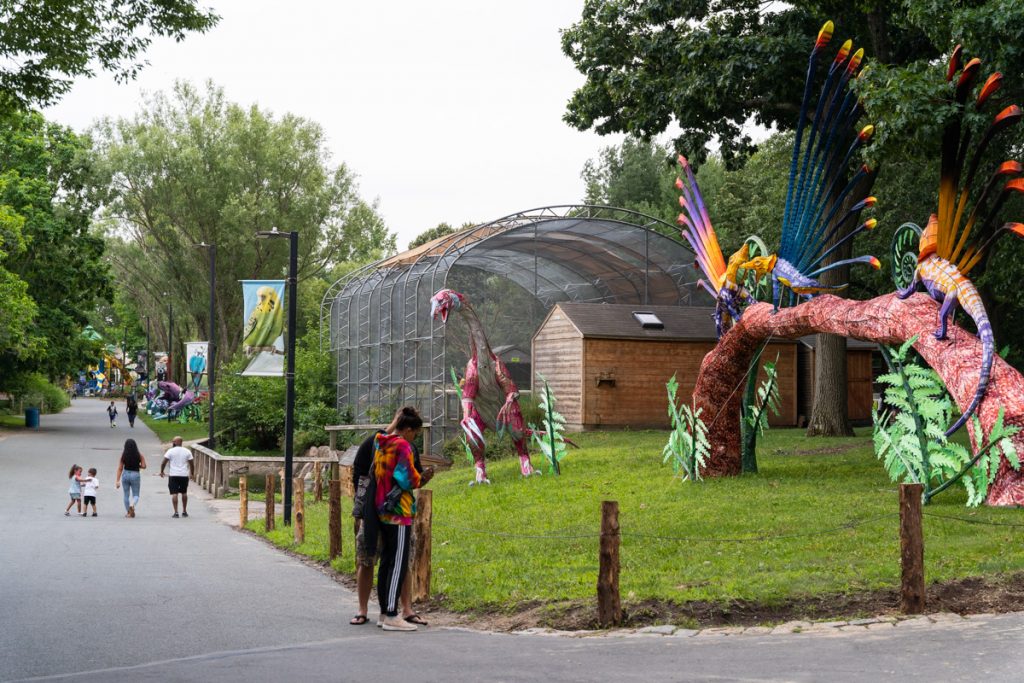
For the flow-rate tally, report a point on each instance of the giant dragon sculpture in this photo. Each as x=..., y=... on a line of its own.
x=489, y=396
x=816, y=193
x=950, y=246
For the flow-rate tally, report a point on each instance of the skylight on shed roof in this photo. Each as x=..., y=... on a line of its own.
x=648, y=320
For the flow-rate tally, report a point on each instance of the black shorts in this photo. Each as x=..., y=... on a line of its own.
x=177, y=485
x=89, y=499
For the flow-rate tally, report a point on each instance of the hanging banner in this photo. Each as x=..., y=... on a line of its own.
x=263, y=336
x=195, y=360
x=160, y=365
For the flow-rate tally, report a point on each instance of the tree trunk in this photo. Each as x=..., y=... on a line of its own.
x=885, y=320
x=830, y=415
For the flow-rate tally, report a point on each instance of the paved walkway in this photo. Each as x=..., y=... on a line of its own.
x=155, y=598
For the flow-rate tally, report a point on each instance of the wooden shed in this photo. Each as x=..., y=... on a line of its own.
x=609, y=370
x=859, y=379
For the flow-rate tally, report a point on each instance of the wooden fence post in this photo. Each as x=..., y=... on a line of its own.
x=318, y=482
x=334, y=518
x=299, y=507
x=421, y=553
x=269, y=493
x=609, y=604
x=243, y=501
x=911, y=550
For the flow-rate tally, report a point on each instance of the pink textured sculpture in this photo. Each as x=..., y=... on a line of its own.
x=490, y=399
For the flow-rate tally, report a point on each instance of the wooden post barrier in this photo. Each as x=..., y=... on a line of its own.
x=299, y=508
x=318, y=481
x=609, y=604
x=243, y=501
x=268, y=492
x=334, y=518
x=911, y=550
x=421, y=553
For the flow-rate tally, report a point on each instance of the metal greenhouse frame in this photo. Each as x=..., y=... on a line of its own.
x=389, y=352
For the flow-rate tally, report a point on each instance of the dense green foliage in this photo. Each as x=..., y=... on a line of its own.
x=439, y=230
x=910, y=436
x=688, y=448
x=45, y=45
x=806, y=486
x=34, y=389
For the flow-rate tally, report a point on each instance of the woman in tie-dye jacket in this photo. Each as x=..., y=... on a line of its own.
x=396, y=478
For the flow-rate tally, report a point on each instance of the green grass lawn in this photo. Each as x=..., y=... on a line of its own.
x=754, y=537
x=12, y=421
x=166, y=431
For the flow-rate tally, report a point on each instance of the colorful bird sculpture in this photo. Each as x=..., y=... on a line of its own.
x=820, y=182
x=721, y=277
x=959, y=234
x=490, y=398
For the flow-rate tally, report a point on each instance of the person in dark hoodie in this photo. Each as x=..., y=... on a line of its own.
x=367, y=534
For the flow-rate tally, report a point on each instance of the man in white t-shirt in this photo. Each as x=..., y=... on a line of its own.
x=182, y=467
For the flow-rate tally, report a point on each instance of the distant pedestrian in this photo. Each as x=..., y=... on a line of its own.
x=90, y=485
x=132, y=409
x=182, y=466
x=75, y=490
x=130, y=476
x=112, y=414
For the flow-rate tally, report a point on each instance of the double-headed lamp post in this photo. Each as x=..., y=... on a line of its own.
x=211, y=348
x=289, y=400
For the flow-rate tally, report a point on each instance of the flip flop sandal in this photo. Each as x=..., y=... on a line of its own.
x=416, y=619
x=358, y=620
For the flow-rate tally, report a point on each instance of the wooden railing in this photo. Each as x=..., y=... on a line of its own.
x=213, y=470
x=425, y=455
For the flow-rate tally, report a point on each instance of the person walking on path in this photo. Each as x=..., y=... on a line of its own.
x=182, y=467
x=132, y=409
x=129, y=475
x=112, y=414
x=367, y=534
x=90, y=485
x=396, y=477
x=75, y=490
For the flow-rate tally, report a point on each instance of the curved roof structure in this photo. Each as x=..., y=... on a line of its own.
x=518, y=267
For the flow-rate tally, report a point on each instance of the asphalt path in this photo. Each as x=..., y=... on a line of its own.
x=161, y=599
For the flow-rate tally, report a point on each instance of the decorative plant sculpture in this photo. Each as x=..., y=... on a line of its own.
x=687, y=448
x=722, y=279
x=819, y=181
x=956, y=239
x=489, y=396
x=761, y=400
x=909, y=437
x=550, y=439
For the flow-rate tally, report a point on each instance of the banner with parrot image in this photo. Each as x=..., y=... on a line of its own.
x=263, y=336
x=195, y=358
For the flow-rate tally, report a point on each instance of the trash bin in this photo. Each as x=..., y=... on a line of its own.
x=32, y=418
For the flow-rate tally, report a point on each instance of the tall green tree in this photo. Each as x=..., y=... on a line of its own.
x=193, y=167
x=47, y=199
x=45, y=45
x=636, y=175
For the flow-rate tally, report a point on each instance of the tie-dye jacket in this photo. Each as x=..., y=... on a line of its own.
x=393, y=466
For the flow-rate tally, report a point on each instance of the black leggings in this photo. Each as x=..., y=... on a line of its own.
x=394, y=562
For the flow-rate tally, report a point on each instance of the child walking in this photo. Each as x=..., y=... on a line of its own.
x=75, y=490
x=89, y=486
x=112, y=412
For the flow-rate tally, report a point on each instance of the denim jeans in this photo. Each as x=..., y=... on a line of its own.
x=131, y=482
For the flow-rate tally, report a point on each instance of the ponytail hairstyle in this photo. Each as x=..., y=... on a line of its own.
x=407, y=417
x=74, y=468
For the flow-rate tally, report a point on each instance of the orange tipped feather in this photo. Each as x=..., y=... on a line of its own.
x=929, y=239
x=824, y=35
x=870, y=223
x=844, y=51
x=969, y=73
x=1007, y=116
x=1016, y=228
x=870, y=201
x=875, y=263
x=855, y=60
x=994, y=82
x=679, y=183
x=1010, y=168
x=866, y=132
x=1015, y=185
x=954, y=62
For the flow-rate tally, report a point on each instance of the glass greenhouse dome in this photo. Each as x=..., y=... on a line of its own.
x=390, y=352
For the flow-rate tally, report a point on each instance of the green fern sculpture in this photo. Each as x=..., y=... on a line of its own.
x=549, y=437
x=758, y=402
x=462, y=438
x=688, y=448
x=910, y=438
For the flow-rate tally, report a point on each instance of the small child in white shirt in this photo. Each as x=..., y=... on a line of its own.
x=89, y=486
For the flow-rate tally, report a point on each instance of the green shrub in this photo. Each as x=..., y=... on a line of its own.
x=33, y=389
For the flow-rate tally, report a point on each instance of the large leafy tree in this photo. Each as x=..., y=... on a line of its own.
x=46, y=205
x=45, y=45
x=195, y=168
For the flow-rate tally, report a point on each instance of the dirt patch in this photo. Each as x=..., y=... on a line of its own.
x=972, y=595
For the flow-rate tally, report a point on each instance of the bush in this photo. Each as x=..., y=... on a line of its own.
x=33, y=389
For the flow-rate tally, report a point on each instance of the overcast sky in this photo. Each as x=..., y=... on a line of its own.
x=449, y=110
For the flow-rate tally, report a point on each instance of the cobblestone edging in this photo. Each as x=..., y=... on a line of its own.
x=790, y=627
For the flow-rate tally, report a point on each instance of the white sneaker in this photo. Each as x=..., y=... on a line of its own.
x=398, y=624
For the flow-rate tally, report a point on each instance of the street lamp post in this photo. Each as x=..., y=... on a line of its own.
x=289, y=400
x=148, y=378
x=212, y=343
